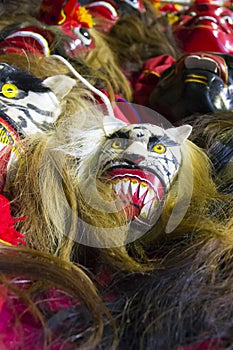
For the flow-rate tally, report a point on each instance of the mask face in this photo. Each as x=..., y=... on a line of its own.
x=29, y=105
x=74, y=20
x=197, y=83
x=139, y=163
x=205, y=26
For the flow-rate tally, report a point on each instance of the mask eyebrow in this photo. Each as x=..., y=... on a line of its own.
x=119, y=135
x=154, y=139
x=164, y=139
x=22, y=79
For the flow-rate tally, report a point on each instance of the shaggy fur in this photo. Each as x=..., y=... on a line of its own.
x=138, y=37
x=185, y=301
x=213, y=132
x=12, y=8
x=55, y=156
x=57, y=298
x=170, y=288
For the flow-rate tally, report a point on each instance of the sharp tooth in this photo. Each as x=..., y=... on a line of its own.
x=139, y=221
x=149, y=196
x=143, y=215
x=125, y=186
x=145, y=210
x=142, y=189
x=134, y=186
x=117, y=186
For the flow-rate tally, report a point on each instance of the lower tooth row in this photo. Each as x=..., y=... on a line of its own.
x=150, y=203
x=146, y=209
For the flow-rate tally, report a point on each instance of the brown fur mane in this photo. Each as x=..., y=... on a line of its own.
x=71, y=283
x=207, y=212
x=213, y=132
x=135, y=38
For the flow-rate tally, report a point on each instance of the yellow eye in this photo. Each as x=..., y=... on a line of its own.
x=117, y=144
x=10, y=90
x=159, y=148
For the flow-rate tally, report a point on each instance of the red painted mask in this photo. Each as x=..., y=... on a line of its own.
x=106, y=11
x=110, y=11
x=205, y=26
x=75, y=20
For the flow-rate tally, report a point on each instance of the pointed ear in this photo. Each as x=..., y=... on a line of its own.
x=60, y=85
x=181, y=133
x=111, y=124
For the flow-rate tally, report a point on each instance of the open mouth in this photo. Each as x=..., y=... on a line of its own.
x=206, y=21
x=206, y=18
x=140, y=192
x=208, y=62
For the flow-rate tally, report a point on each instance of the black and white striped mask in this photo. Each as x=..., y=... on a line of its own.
x=30, y=105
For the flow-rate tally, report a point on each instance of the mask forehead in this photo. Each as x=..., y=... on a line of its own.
x=143, y=132
x=144, y=128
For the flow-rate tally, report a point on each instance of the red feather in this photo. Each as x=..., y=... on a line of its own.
x=8, y=233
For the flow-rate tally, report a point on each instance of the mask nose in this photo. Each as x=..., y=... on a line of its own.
x=133, y=158
x=135, y=153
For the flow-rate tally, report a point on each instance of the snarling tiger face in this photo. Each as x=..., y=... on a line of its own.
x=139, y=163
x=26, y=102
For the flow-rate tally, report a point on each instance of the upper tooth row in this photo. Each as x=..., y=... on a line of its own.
x=125, y=186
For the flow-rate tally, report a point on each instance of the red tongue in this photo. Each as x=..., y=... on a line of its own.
x=134, y=200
